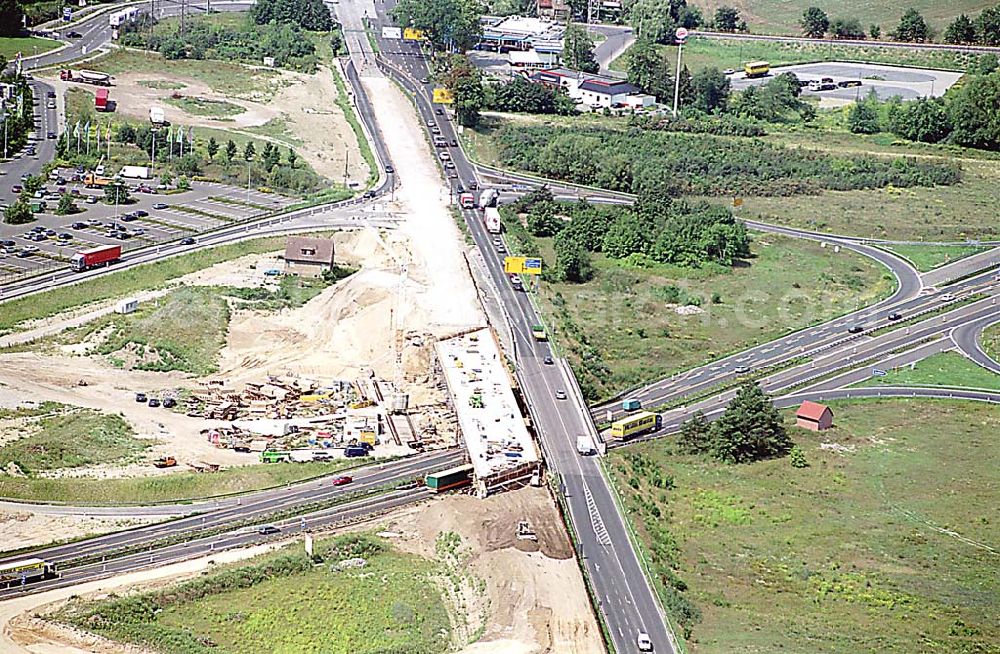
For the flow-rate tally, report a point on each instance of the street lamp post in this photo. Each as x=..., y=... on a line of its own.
x=681, y=34
x=248, y=181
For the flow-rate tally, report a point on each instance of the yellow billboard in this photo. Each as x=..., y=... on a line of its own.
x=410, y=34
x=443, y=96
x=522, y=265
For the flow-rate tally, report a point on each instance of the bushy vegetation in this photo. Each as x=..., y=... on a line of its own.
x=698, y=123
x=72, y=439
x=284, y=601
x=248, y=42
x=17, y=123
x=704, y=165
x=306, y=14
x=520, y=95
x=750, y=429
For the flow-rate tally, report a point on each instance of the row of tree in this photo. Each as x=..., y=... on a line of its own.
x=984, y=30
x=657, y=20
x=967, y=116
x=816, y=24
x=912, y=28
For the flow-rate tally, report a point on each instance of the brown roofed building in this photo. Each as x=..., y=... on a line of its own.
x=814, y=416
x=308, y=256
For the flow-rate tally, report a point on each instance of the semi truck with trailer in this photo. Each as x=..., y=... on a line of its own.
x=25, y=570
x=85, y=77
x=104, y=255
x=444, y=480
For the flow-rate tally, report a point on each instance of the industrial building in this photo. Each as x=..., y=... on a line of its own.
x=528, y=42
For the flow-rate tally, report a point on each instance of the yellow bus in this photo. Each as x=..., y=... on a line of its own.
x=636, y=424
x=757, y=68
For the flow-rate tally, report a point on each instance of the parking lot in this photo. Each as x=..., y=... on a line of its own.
x=152, y=217
x=887, y=81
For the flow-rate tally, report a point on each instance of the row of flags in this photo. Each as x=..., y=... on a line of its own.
x=178, y=135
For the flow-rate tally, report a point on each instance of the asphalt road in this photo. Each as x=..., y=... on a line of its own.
x=622, y=591
x=257, y=506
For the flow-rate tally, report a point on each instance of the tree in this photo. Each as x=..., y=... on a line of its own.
x=213, y=147
x=924, y=119
x=973, y=113
x=626, y=235
x=649, y=70
x=653, y=21
x=863, y=116
x=572, y=259
x=750, y=429
x=874, y=31
x=797, y=457
x=988, y=26
x=815, y=22
x=11, y=16
x=466, y=84
x=18, y=213
x=249, y=151
x=710, y=89
x=292, y=158
x=912, y=28
x=307, y=14
x=847, y=28
x=578, y=49
x=985, y=64
x=960, y=30
x=116, y=193
x=542, y=220
x=33, y=183
x=66, y=205
x=230, y=151
x=695, y=436
x=448, y=24
x=727, y=19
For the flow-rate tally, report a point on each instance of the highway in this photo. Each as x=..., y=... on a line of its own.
x=252, y=507
x=622, y=592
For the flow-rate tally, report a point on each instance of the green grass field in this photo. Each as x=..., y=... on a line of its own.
x=624, y=315
x=884, y=543
x=204, y=107
x=991, y=341
x=177, y=486
x=72, y=438
x=128, y=281
x=28, y=46
x=944, y=369
x=782, y=16
x=929, y=257
x=722, y=54
x=284, y=603
x=231, y=79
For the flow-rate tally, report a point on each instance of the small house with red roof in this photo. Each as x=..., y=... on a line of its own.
x=814, y=416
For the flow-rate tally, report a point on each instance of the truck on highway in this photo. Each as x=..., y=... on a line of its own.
x=25, y=570
x=85, y=77
x=585, y=446
x=104, y=255
x=448, y=479
x=101, y=100
x=538, y=332
x=491, y=219
x=467, y=201
x=631, y=405
x=489, y=197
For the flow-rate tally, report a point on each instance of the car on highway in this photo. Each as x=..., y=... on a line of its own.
x=895, y=315
x=947, y=297
x=51, y=135
x=439, y=111
x=187, y=240
x=742, y=370
x=560, y=394
x=547, y=361
x=389, y=169
x=453, y=143
x=342, y=480
x=452, y=174
x=643, y=642
x=445, y=156
x=449, y=164
x=856, y=329
x=424, y=80
x=160, y=205
x=265, y=530
x=73, y=34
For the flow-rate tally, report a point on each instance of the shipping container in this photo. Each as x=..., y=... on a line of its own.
x=448, y=479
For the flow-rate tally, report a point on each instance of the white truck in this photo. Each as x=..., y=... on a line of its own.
x=585, y=445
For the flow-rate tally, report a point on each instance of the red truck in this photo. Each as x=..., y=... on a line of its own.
x=101, y=100
x=467, y=200
x=94, y=257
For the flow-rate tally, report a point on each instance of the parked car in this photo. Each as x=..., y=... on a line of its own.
x=91, y=199
x=169, y=403
x=160, y=205
x=65, y=236
x=140, y=397
x=16, y=188
x=139, y=213
x=153, y=402
x=342, y=480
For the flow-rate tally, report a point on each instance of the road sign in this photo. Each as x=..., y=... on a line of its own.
x=410, y=34
x=533, y=266
x=876, y=372
x=443, y=96
x=392, y=33
x=67, y=14
x=681, y=33
x=513, y=265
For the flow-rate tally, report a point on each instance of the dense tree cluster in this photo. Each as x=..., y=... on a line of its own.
x=465, y=81
x=578, y=49
x=773, y=101
x=697, y=164
x=451, y=25
x=816, y=24
x=750, y=429
x=521, y=96
x=250, y=43
x=697, y=123
x=677, y=233
x=11, y=15
x=19, y=114
x=657, y=20
x=912, y=28
x=311, y=15
x=984, y=30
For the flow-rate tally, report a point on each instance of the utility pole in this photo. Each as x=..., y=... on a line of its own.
x=183, y=11
x=681, y=34
x=347, y=158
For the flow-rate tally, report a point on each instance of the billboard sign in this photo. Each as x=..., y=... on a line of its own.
x=522, y=265
x=392, y=33
x=443, y=96
x=410, y=34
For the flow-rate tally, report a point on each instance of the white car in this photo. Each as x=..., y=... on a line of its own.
x=643, y=642
x=947, y=297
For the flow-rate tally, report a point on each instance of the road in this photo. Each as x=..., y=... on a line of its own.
x=624, y=597
x=253, y=506
x=617, y=39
